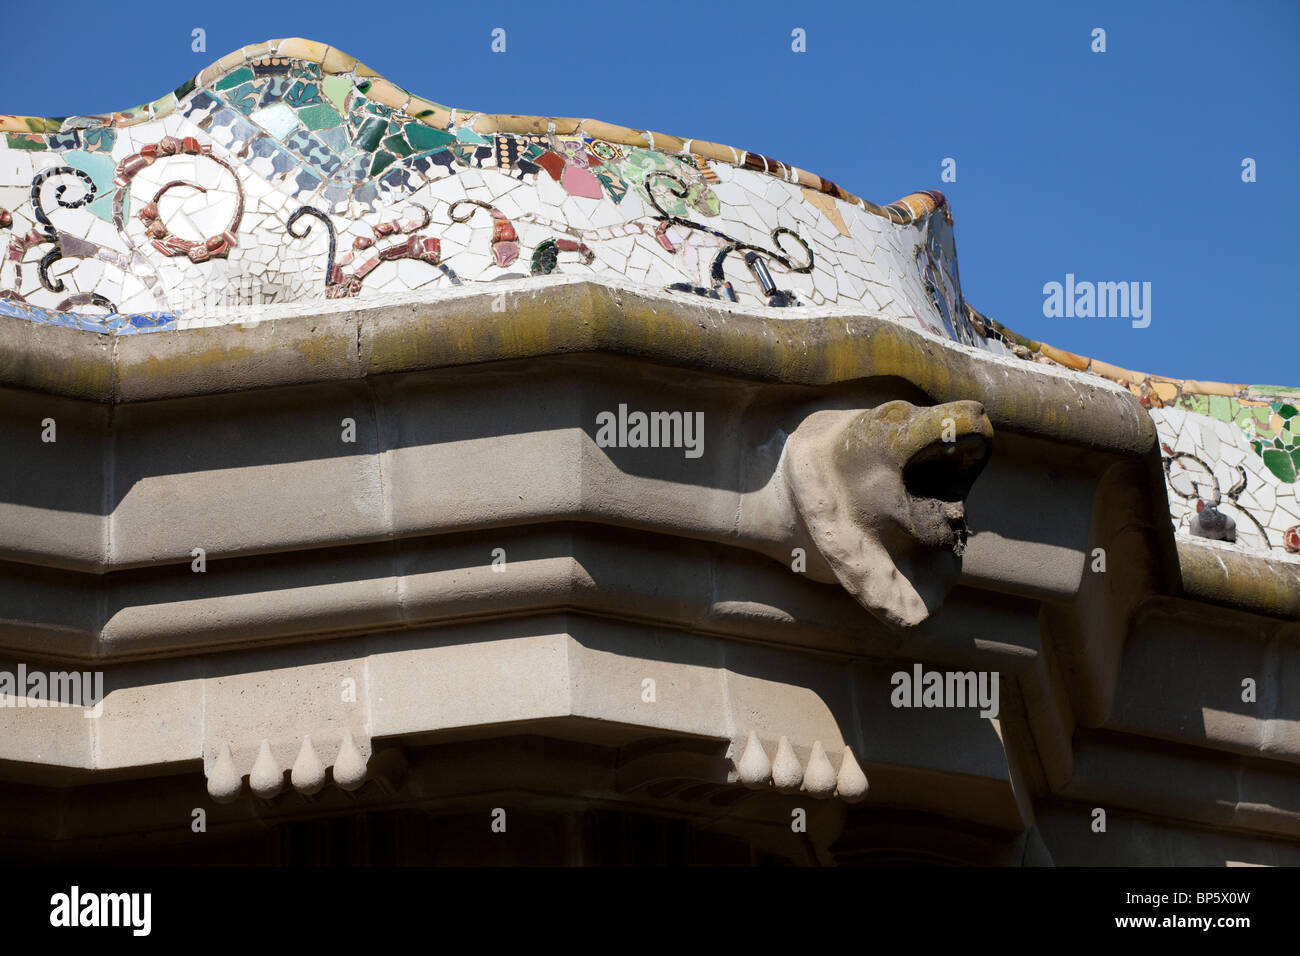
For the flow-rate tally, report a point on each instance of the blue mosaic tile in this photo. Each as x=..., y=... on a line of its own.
x=311, y=149
x=113, y=323
x=264, y=147
x=199, y=106
x=306, y=182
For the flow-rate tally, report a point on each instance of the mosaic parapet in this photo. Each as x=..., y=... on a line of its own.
x=287, y=172
x=1231, y=452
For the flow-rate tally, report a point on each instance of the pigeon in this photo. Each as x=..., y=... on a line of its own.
x=1210, y=522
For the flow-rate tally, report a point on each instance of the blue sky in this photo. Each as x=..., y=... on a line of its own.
x=1115, y=166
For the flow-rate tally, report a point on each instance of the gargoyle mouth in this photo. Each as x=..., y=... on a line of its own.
x=946, y=470
x=937, y=480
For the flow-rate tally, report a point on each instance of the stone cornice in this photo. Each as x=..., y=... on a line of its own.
x=1216, y=573
x=531, y=320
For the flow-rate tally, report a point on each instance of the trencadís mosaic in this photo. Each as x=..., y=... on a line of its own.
x=289, y=172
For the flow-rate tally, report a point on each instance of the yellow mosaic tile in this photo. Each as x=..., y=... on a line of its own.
x=1212, y=388
x=208, y=74
x=1114, y=372
x=610, y=132
x=255, y=50
x=336, y=61
x=1167, y=391
x=827, y=205
x=429, y=113
x=1068, y=359
x=539, y=125
x=671, y=144
x=302, y=49
x=383, y=92
x=723, y=154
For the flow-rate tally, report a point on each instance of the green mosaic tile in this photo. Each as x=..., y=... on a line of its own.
x=136, y=114
x=98, y=140
x=244, y=97
x=306, y=70
x=368, y=124
x=336, y=89
x=1220, y=408
x=100, y=167
x=1281, y=464
x=398, y=145
x=320, y=116
x=164, y=106
x=336, y=138
x=25, y=141
x=1251, y=416
x=423, y=137
x=382, y=161
x=302, y=93
x=370, y=133
x=234, y=79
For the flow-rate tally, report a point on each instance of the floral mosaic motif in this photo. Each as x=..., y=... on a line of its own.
x=755, y=257
x=340, y=284
x=216, y=246
x=505, y=241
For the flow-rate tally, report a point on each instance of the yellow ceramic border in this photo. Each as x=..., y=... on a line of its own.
x=1154, y=391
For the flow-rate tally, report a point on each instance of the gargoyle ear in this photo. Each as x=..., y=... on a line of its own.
x=857, y=556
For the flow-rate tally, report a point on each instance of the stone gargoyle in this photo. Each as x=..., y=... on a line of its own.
x=879, y=497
